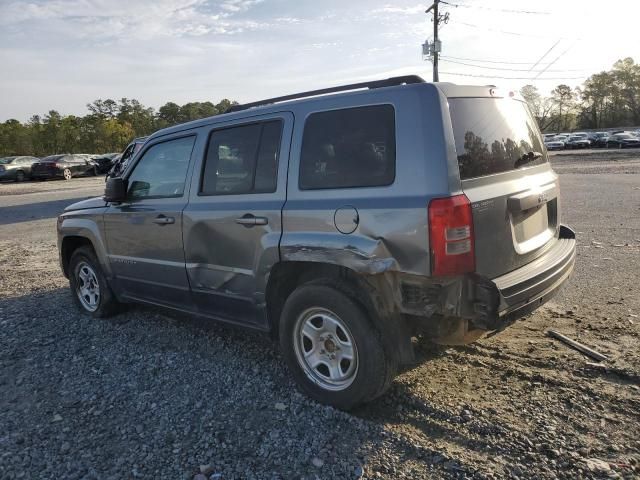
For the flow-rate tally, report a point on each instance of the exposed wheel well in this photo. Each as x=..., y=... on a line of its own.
x=370, y=293
x=70, y=245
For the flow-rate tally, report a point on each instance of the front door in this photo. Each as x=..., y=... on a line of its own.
x=144, y=234
x=232, y=228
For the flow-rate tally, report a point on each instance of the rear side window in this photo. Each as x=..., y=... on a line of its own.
x=242, y=159
x=354, y=147
x=493, y=135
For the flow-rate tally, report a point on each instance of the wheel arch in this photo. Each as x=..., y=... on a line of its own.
x=76, y=231
x=372, y=292
x=69, y=245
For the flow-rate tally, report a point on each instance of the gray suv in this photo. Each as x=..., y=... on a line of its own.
x=345, y=221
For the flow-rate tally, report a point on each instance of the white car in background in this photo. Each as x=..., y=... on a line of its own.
x=553, y=144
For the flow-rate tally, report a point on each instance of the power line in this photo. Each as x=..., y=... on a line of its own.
x=506, y=32
x=506, y=69
x=557, y=58
x=545, y=54
x=504, y=10
x=487, y=61
x=509, y=78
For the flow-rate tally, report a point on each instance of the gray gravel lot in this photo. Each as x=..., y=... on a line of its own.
x=149, y=394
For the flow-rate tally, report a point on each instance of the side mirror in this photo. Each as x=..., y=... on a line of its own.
x=115, y=190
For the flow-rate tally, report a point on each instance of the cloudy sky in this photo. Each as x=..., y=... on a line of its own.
x=62, y=54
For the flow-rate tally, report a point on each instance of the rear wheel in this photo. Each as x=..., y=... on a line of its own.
x=334, y=352
x=89, y=287
x=66, y=173
x=20, y=176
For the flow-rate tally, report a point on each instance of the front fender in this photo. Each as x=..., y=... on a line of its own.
x=73, y=225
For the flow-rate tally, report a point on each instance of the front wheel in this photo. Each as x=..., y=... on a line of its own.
x=20, y=176
x=334, y=351
x=89, y=287
x=66, y=173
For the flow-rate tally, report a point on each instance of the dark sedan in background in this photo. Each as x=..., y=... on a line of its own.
x=16, y=168
x=623, y=140
x=64, y=166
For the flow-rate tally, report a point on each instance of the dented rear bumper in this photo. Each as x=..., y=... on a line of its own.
x=447, y=310
x=527, y=288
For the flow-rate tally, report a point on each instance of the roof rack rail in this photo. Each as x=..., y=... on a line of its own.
x=389, y=82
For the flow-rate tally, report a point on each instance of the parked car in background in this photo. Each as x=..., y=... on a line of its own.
x=553, y=144
x=64, y=166
x=623, y=140
x=561, y=138
x=16, y=168
x=106, y=161
x=121, y=164
x=578, y=140
x=325, y=222
x=599, y=139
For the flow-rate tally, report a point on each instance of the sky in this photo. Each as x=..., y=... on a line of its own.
x=63, y=54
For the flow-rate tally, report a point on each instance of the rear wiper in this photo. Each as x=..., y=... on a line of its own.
x=526, y=158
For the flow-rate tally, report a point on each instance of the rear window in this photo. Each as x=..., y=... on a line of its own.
x=493, y=135
x=352, y=147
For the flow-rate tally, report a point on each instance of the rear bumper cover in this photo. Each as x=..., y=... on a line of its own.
x=525, y=289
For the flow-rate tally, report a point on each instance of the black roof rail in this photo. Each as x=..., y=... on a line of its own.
x=389, y=82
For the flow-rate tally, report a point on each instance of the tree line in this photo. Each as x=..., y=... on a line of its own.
x=609, y=99
x=108, y=127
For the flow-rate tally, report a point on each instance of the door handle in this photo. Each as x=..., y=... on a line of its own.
x=162, y=220
x=249, y=220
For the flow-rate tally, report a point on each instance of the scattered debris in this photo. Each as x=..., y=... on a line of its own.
x=597, y=465
x=57, y=418
x=578, y=346
x=596, y=366
x=280, y=406
x=317, y=462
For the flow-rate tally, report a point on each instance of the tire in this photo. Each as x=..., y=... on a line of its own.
x=66, y=173
x=340, y=326
x=20, y=177
x=84, y=271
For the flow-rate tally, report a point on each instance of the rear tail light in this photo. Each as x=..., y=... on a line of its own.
x=451, y=236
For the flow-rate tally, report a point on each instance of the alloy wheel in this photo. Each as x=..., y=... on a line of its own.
x=87, y=287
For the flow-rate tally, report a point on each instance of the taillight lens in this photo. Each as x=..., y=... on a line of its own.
x=451, y=236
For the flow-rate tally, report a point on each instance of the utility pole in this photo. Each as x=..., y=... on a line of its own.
x=436, y=77
x=433, y=50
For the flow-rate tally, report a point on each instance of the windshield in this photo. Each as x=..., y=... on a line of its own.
x=494, y=135
x=624, y=135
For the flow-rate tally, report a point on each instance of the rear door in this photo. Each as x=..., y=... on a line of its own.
x=506, y=175
x=233, y=225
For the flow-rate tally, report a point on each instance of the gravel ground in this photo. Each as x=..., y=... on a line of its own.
x=150, y=395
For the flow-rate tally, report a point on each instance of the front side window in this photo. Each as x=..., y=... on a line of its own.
x=242, y=159
x=162, y=170
x=354, y=147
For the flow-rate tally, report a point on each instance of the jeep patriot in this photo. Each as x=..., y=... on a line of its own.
x=345, y=221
